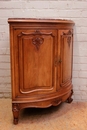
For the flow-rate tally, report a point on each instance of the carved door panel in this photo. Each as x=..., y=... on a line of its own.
x=65, y=38
x=36, y=52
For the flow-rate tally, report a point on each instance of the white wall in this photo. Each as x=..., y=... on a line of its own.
x=75, y=10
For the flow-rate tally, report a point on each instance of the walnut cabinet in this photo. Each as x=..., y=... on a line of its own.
x=41, y=62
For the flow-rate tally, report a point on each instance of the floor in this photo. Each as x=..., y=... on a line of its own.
x=63, y=117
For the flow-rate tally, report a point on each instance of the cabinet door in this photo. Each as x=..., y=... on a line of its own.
x=65, y=38
x=36, y=70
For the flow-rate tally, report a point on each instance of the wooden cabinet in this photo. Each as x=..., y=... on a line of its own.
x=41, y=62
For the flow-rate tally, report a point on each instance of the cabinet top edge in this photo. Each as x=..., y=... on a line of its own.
x=36, y=20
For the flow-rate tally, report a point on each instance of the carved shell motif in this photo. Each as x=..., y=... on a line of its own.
x=37, y=41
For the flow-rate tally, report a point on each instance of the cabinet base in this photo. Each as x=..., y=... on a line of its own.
x=16, y=107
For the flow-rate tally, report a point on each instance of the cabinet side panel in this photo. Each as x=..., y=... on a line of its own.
x=67, y=60
x=66, y=55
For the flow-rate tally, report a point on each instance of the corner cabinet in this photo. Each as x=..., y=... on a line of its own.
x=41, y=62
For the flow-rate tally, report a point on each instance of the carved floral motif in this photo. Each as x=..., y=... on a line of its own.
x=68, y=35
x=15, y=107
x=37, y=41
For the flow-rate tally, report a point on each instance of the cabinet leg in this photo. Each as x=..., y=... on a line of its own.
x=69, y=100
x=15, y=121
x=15, y=109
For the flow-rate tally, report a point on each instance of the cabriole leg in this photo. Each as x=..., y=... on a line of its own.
x=15, y=109
x=69, y=100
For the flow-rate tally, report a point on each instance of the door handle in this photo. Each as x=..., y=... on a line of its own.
x=57, y=61
x=60, y=61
